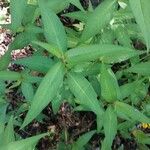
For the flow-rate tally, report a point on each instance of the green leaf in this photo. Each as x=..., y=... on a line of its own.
x=109, y=85
x=83, y=140
x=46, y=92
x=2, y=87
x=36, y=63
x=77, y=4
x=79, y=15
x=141, y=68
x=141, y=137
x=123, y=37
x=17, y=10
x=9, y=132
x=50, y=48
x=21, y=40
x=27, y=90
x=56, y=5
x=29, y=78
x=106, y=53
x=98, y=19
x=9, y=75
x=110, y=128
x=84, y=92
x=3, y=108
x=24, y=144
x=56, y=103
x=141, y=11
x=131, y=112
x=27, y=18
x=53, y=28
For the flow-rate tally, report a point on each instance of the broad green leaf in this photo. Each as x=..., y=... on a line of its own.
x=84, y=92
x=50, y=48
x=141, y=68
x=27, y=90
x=110, y=128
x=106, y=53
x=17, y=10
x=141, y=11
x=9, y=133
x=131, y=112
x=24, y=144
x=46, y=92
x=109, y=84
x=83, y=140
x=53, y=28
x=99, y=19
x=36, y=63
x=9, y=75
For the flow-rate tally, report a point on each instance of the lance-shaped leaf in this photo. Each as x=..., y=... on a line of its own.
x=27, y=90
x=141, y=68
x=8, y=135
x=106, y=53
x=3, y=108
x=53, y=28
x=24, y=144
x=50, y=48
x=46, y=91
x=83, y=140
x=99, y=18
x=130, y=112
x=17, y=10
x=9, y=75
x=109, y=85
x=84, y=92
x=36, y=63
x=110, y=128
x=141, y=11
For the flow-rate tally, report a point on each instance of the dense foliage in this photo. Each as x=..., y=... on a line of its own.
x=94, y=64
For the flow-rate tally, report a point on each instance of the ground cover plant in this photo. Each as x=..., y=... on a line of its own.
x=93, y=60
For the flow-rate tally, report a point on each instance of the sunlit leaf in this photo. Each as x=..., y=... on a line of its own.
x=84, y=92
x=99, y=19
x=45, y=92
x=106, y=53
x=110, y=128
x=109, y=86
x=53, y=28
